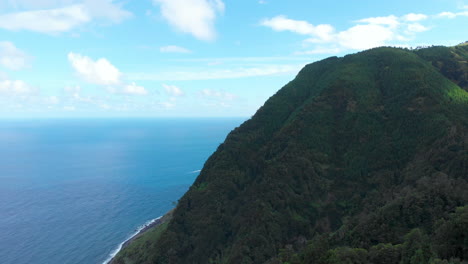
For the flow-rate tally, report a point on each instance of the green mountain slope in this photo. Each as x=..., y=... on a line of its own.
x=360, y=159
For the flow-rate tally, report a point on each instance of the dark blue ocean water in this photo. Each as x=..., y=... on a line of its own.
x=72, y=190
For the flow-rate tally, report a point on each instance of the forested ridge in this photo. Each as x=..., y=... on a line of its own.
x=359, y=159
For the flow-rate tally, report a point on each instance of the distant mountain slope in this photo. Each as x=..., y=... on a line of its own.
x=451, y=62
x=360, y=159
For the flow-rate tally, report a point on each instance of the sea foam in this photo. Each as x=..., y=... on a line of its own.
x=138, y=230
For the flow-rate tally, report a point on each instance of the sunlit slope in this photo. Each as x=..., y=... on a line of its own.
x=363, y=157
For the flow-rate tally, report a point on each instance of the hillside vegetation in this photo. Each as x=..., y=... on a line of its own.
x=359, y=159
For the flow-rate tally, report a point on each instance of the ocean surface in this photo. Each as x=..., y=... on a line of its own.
x=72, y=190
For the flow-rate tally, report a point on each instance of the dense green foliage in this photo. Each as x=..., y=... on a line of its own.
x=451, y=62
x=360, y=159
x=140, y=251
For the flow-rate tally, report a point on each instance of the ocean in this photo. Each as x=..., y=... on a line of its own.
x=72, y=190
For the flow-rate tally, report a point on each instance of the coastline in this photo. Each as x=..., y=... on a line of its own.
x=140, y=231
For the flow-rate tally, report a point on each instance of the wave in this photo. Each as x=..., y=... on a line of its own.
x=195, y=171
x=138, y=230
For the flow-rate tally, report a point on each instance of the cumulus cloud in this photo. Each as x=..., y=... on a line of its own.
x=173, y=90
x=45, y=21
x=365, y=36
x=416, y=28
x=100, y=72
x=195, y=17
x=367, y=33
x=412, y=17
x=173, y=49
x=447, y=15
x=106, y=10
x=391, y=21
x=282, y=23
x=134, y=89
x=16, y=87
x=11, y=57
x=63, y=18
x=452, y=15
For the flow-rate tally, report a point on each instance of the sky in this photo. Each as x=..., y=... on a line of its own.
x=191, y=58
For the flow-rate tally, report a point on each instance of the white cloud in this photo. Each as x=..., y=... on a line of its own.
x=173, y=90
x=365, y=36
x=367, y=33
x=65, y=18
x=262, y=2
x=412, y=17
x=173, y=49
x=100, y=72
x=447, y=15
x=204, y=74
x=11, y=57
x=282, y=23
x=16, y=87
x=107, y=10
x=416, y=28
x=391, y=21
x=134, y=89
x=218, y=94
x=452, y=15
x=46, y=21
x=195, y=17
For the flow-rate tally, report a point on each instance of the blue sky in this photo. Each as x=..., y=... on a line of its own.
x=191, y=58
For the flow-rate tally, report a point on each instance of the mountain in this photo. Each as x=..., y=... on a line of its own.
x=359, y=159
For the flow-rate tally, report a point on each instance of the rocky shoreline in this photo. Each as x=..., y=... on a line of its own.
x=165, y=218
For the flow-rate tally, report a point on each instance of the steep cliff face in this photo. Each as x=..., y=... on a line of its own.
x=363, y=157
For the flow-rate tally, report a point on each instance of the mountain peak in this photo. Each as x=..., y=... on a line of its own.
x=363, y=157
